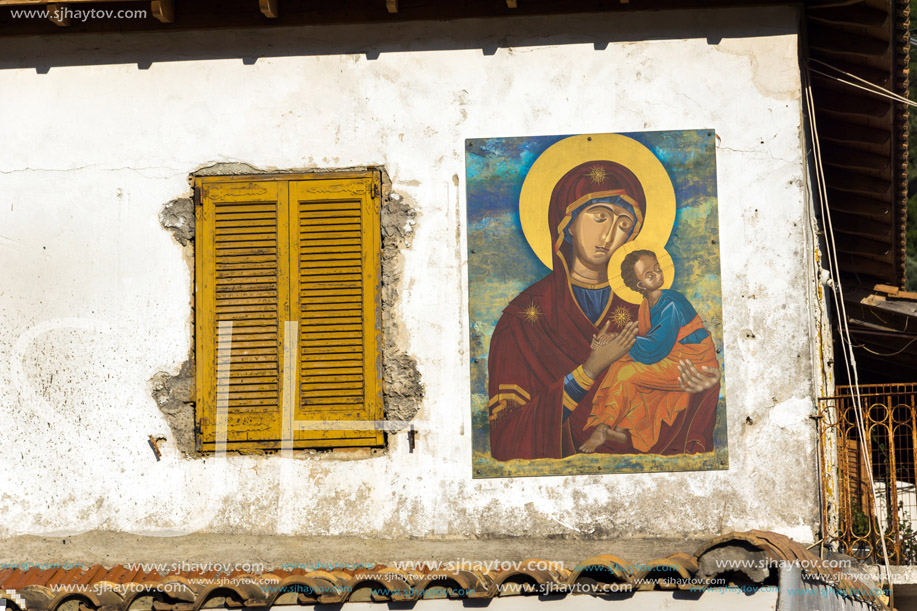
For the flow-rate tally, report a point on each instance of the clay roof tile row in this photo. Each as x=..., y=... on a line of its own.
x=119, y=588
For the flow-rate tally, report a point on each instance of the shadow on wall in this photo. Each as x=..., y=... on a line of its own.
x=372, y=40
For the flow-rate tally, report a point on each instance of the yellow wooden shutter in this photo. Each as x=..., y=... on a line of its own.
x=288, y=266
x=242, y=265
x=335, y=296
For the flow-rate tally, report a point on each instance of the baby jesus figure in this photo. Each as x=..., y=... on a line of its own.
x=641, y=391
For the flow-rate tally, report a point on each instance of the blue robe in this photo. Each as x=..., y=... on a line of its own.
x=667, y=317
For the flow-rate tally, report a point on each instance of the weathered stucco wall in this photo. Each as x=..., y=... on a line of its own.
x=95, y=296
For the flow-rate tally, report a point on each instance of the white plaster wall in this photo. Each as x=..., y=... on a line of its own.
x=94, y=297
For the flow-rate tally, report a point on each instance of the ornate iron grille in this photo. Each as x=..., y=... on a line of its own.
x=851, y=514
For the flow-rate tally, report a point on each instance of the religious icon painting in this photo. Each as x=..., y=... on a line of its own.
x=595, y=304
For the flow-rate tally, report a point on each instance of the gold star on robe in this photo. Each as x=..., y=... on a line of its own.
x=532, y=314
x=620, y=317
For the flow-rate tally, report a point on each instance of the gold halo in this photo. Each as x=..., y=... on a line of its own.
x=563, y=156
x=614, y=269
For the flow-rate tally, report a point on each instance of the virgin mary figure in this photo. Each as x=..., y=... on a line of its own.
x=542, y=367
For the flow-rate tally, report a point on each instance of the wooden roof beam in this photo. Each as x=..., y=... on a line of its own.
x=849, y=203
x=163, y=10
x=848, y=129
x=847, y=180
x=844, y=157
x=270, y=8
x=835, y=41
x=855, y=224
x=58, y=14
x=855, y=15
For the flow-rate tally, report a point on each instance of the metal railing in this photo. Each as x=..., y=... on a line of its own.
x=851, y=515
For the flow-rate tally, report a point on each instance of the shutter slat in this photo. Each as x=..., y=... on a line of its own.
x=228, y=208
x=342, y=213
x=344, y=316
x=316, y=300
x=342, y=246
x=343, y=343
x=249, y=346
x=327, y=230
x=239, y=353
x=334, y=291
x=336, y=324
x=241, y=318
x=355, y=373
x=335, y=335
x=257, y=360
x=330, y=258
x=322, y=348
x=249, y=286
x=233, y=239
x=251, y=383
x=246, y=337
x=332, y=239
x=252, y=377
x=314, y=316
x=333, y=359
x=318, y=273
x=245, y=219
x=347, y=281
x=337, y=391
x=323, y=400
x=340, y=411
x=242, y=270
x=306, y=208
x=269, y=295
x=256, y=224
x=337, y=384
x=244, y=256
x=248, y=283
x=254, y=326
x=231, y=312
x=268, y=402
x=245, y=243
x=332, y=243
x=254, y=367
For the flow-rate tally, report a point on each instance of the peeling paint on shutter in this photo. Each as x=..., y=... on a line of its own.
x=244, y=255
x=336, y=298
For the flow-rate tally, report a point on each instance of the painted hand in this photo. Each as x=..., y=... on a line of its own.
x=609, y=348
x=603, y=337
x=693, y=380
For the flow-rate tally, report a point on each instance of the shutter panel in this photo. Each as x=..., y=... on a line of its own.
x=335, y=296
x=242, y=267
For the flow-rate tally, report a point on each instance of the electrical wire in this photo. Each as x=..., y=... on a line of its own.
x=896, y=353
x=846, y=341
x=867, y=86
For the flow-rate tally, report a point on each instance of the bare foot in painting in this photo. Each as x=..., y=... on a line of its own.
x=617, y=435
x=602, y=434
x=595, y=440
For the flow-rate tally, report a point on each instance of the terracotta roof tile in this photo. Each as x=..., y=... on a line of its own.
x=669, y=573
x=116, y=589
